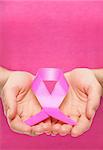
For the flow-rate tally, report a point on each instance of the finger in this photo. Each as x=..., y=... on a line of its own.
x=9, y=100
x=82, y=126
x=56, y=127
x=38, y=129
x=19, y=126
x=53, y=122
x=93, y=102
x=66, y=128
x=47, y=125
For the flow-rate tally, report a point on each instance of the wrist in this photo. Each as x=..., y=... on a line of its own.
x=4, y=75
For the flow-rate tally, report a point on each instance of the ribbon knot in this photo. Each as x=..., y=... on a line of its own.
x=50, y=102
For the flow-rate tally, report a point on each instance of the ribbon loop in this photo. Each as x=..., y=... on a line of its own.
x=50, y=102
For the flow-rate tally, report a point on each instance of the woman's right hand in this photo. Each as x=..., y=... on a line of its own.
x=20, y=103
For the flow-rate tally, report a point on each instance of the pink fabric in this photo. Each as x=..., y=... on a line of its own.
x=50, y=102
x=60, y=34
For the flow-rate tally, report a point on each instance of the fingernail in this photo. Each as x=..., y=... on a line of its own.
x=53, y=134
x=47, y=133
x=34, y=135
x=39, y=133
x=63, y=134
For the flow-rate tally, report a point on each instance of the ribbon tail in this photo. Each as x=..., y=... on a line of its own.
x=57, y=114
x=36, y=118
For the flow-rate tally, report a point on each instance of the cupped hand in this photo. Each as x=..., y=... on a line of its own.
x=81, y=102
x=20, y=103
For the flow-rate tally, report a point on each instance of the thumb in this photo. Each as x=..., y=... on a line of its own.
x=93, y=102
x=9, y=98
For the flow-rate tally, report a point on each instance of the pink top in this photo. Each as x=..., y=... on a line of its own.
x=60, y=34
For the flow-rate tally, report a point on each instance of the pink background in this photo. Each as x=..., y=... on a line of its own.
x=51, y=34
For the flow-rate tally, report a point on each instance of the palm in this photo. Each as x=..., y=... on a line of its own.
x=81, y=101
x=74, y=103
x=27, y=106
x=83, y=88
x=18, y=87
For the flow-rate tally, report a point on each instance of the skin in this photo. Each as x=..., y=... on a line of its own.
x=81, y=102
x=20, y=103
x=99, y=75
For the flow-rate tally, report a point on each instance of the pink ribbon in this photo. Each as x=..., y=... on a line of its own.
x=50, y=102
